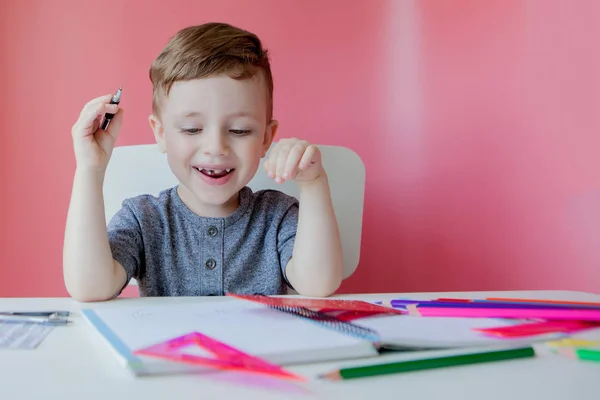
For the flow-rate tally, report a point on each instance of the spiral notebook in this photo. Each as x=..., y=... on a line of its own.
x=284, y=338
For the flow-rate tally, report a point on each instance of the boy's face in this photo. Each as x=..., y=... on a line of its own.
x=215, y=132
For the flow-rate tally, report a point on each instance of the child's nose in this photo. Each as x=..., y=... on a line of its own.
x=215, y=145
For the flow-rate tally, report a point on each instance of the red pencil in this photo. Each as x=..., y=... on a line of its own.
x=508, y=300
x=450, y=300
x=537, y=328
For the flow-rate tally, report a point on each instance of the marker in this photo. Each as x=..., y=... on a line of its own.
x=116, y=99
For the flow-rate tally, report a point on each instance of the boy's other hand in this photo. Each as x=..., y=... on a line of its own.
x=294, y=159
x=93, y=146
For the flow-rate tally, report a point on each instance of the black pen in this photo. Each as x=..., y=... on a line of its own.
x=116, y=99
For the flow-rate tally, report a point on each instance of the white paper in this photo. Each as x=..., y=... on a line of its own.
x=441, y=332
x=22, y=335
x=250, y=327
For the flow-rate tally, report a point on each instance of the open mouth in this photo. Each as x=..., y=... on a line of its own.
x=214, y=173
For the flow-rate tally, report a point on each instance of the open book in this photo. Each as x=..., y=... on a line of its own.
x=253, y=328
x=282, y=334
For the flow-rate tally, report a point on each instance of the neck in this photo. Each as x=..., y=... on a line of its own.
x=208, y=210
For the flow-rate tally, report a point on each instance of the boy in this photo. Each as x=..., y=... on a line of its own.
x=209, y=235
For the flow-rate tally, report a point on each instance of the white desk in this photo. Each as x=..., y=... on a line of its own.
x=74, y=363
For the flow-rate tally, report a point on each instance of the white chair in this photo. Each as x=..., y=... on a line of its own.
x=143, y=169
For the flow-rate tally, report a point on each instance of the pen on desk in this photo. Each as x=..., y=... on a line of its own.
x=116, y=99
x=53, y=319
x=63, y=313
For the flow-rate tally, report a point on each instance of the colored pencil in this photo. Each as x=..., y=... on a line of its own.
x=575, y=315
x=572, y=303
x=445, y=299
x=545, y=303
x=447, y=304
x=537, y=328
x=570, y=343
x=588, y=354
x=539, y=304
x=583, y=354
x=395, y=303
x=428, y=363
x=503, y=300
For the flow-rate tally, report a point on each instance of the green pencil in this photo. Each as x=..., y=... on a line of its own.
x=428, y=363
x=588, y=354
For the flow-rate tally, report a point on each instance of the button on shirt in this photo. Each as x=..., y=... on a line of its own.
x=171, y=251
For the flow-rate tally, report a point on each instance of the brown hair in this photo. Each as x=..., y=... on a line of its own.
x=213, y=48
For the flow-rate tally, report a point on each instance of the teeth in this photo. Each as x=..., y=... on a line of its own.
x=214, y=171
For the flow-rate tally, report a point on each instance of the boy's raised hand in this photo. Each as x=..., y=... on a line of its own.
x=93, y=146
x=294, y=159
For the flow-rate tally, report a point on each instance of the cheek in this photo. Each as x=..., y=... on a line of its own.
x=179, y=150
x=250, y=150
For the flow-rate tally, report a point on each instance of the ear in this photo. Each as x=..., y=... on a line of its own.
x=270, y=133
x=159, y=132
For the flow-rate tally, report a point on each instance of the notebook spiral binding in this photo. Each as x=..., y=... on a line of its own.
x=332, y=323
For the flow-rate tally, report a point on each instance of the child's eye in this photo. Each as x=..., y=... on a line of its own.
x=240, y=131
x=191, y=131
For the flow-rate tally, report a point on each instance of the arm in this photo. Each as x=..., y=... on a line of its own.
x=90, y=273
x=316, y=268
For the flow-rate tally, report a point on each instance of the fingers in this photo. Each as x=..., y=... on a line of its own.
x=310, y=156
x=290, y=167
x=287, y=158
x=101, y=99
x=94, y=107
x=106, y=139
x=92, y=112
x=272, y=161
x=115, y=123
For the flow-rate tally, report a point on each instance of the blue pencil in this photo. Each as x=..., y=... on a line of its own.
x=447, y=304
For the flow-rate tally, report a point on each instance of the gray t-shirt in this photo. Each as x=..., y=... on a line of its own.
x=171, y=251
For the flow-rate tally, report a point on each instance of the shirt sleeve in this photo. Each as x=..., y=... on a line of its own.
x=286, y=237
x=125, y=240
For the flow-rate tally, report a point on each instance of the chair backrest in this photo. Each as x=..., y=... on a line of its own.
x=143, y=169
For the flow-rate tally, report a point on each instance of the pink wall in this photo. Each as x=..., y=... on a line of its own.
x=510, y=134
x=475, y=120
